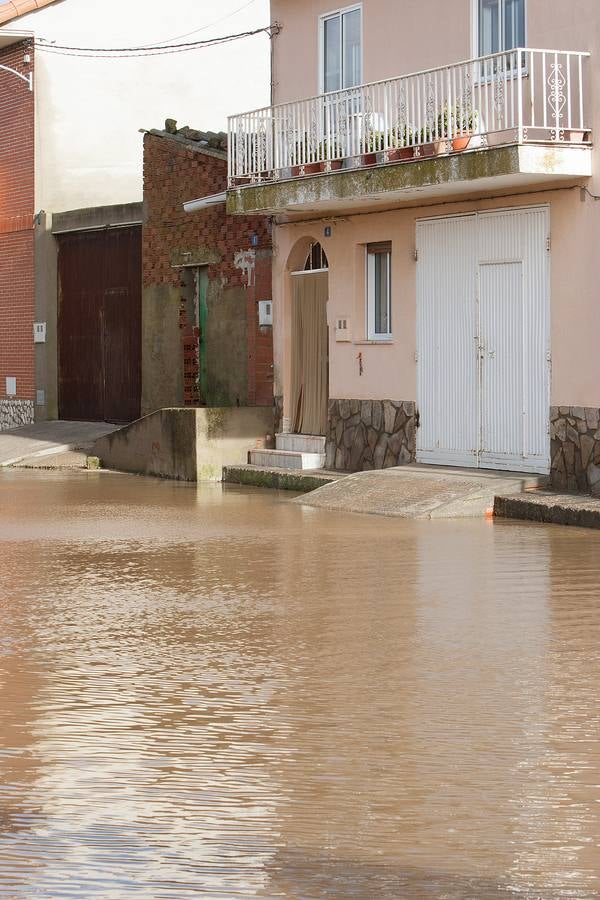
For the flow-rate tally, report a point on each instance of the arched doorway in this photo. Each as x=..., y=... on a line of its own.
x=310, y=344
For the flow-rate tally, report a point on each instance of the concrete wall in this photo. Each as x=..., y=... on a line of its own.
x=186, y=444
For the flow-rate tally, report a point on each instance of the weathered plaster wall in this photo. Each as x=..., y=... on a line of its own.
x=235, y=253
x=162, y=371
x=227, y=340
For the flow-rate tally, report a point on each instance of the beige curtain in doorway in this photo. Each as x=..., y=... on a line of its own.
x=309, y=353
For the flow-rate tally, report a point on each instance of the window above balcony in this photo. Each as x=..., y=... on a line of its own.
x=500, y=25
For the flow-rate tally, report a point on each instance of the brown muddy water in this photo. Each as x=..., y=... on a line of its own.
x=217, y=692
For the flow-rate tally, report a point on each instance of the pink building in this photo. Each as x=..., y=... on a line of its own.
x=433, y=186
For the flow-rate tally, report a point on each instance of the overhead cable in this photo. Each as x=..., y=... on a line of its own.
x=155, y=50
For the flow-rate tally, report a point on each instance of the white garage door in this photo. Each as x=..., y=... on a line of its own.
x=483, y=340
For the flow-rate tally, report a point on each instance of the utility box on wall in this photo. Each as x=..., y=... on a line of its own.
x=343, y=328
x=39, y=332
x=265, y=312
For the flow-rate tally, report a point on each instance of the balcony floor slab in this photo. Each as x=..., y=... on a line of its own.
x=492, y=170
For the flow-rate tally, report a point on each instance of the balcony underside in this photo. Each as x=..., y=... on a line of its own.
x=489, y=171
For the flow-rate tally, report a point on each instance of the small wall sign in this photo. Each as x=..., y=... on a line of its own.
x=39, y=332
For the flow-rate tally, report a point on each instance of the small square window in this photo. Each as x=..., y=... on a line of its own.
x=379, y=291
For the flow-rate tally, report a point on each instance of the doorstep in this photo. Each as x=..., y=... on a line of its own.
x=550, y=507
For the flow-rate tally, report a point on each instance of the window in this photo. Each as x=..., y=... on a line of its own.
x=500, y=25
x=379, y=291
x=316, y=260
x=341, y=50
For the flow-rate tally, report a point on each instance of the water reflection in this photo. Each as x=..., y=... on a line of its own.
x=221, y=692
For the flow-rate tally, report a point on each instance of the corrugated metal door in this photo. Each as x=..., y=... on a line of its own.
x=515, y=314
x=446, y=332
x=99, y=325
x=501, y=362
x=495, y=379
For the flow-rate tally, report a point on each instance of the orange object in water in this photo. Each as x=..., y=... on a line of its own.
x=489, y=513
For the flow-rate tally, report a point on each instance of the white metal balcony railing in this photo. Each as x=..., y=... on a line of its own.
x=505, y=98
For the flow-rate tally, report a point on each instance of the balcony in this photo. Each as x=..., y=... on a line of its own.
x=506, y=121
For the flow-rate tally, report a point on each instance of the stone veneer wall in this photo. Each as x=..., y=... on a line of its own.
x=16, y=412
x=575, y=448
x=370, y=434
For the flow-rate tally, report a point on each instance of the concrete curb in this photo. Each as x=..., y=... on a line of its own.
x=554, y=509
x=279, y=479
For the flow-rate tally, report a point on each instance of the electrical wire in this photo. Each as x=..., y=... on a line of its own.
x=155, y=50
x=230, y=15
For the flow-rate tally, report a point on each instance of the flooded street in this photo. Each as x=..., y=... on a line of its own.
x=216, y=691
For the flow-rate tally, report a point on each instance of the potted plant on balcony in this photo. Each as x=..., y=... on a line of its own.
x=374, y=142
x=401, y=140
x=463, y=121
x=332, y=156
x=431, y=144
x=305, y=158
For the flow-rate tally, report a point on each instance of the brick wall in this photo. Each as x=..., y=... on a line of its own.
x=17, y=290
x=176, y=171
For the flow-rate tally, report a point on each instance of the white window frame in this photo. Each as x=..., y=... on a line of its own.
x=475, y=28
x=330, y=15
x=372, y=334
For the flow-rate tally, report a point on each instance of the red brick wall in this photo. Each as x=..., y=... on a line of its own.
x=17, y=289
x=174, y=173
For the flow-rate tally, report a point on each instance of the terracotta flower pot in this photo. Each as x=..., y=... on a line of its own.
x=400, y=153
x=461, y=142
x=577, y=137
x=368, y=159
x=307, y=169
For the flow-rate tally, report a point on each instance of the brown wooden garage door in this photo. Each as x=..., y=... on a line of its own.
x=99, y=325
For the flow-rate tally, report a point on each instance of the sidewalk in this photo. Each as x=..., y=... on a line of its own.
x=550, y=507
x=49, y=439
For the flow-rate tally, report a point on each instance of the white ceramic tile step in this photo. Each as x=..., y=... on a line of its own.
x=286, y=459
x=303, y=443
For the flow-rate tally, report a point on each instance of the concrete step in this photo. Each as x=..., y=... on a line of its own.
x=301, y=443
x=286, y=459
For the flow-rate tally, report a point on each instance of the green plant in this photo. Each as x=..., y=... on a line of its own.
x=330, y=150
x=401, y=136
x=303, y=152
x=449, y=122
x=464, y=119
x=375, y=141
